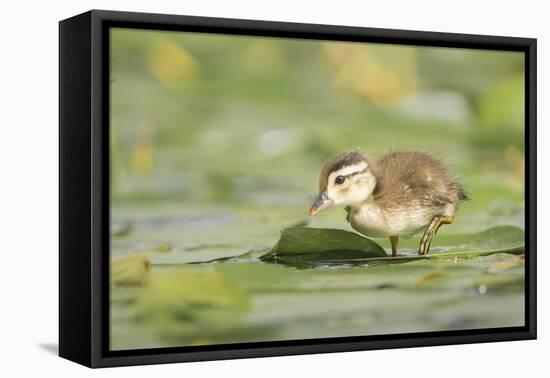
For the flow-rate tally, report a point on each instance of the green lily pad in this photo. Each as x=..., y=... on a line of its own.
x=191, y=304
x=494, y=238
x=300, y=244
x=303, y=247
x=195, y=256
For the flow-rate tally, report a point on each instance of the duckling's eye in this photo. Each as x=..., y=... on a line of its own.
x=340, y=180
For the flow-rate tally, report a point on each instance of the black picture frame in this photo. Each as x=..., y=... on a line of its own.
x=84, y=187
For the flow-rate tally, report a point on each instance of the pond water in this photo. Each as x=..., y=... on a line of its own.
x=201, y=290
x=216, y=146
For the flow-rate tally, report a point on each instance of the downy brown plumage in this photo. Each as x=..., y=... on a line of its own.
x=401, y=194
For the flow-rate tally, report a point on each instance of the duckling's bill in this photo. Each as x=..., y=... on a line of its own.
x=322, y=202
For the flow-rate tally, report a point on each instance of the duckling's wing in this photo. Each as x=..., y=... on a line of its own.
x=415, y=177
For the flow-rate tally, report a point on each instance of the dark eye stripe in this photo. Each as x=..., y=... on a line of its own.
x=345, y=177
x=356, y=173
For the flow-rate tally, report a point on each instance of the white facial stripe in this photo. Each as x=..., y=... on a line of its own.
x=346, y=171
x=350, y=169
x=356, y=188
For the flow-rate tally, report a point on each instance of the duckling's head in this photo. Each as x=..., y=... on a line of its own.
x=345, y=180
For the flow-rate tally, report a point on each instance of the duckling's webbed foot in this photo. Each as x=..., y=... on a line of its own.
x=434, y=225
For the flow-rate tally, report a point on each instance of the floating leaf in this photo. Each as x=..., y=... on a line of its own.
x=498, y=282
x=192, y=305
x=305, y=247
x=494, y=238
x=130, y=269
x=471, y=254
x=162, y=247
x=500, y=266
x=433, y=275
x=120, y=229
x=204, y=255
x=298, y=244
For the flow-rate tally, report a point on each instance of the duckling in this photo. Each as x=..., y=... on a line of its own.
x=399, y=195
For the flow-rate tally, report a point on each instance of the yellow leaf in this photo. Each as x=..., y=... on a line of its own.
x=434, y=274
x=143, y=152
x=130, y=269
x=500, y=266
x=382, y=74
x=171, y=63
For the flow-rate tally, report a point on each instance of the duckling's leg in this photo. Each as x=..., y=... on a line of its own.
x=393, y=241
x=426, y=240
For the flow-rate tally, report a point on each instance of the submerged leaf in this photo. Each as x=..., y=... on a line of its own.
x=299, y=244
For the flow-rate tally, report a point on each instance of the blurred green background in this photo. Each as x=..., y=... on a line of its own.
x=216, y=145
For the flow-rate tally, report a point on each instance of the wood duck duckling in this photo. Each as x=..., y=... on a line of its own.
x=401, y=194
